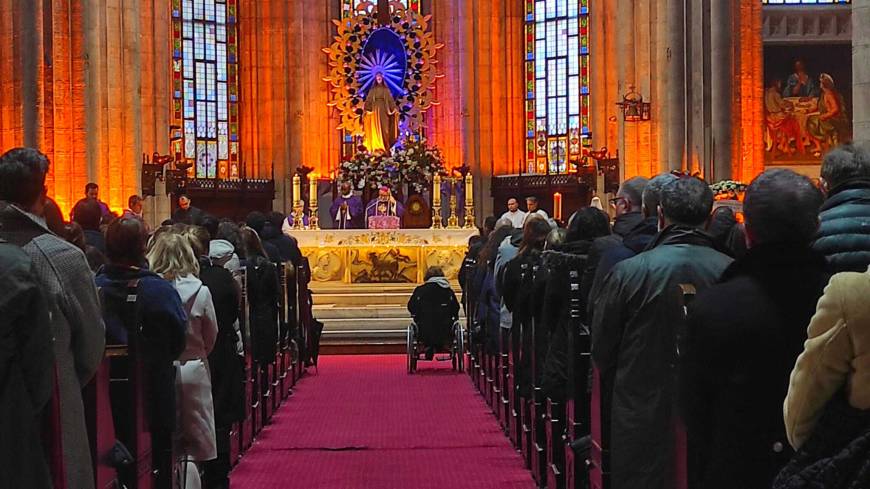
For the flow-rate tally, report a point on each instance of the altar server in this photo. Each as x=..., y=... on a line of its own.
x=347, y=209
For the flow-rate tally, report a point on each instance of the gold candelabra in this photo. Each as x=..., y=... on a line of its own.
x=436, y=202
x=469, y=202
x=298, y=215
x=313, y=221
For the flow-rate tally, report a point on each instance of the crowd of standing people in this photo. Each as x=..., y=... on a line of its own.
x=72, y=288
x=736, y=338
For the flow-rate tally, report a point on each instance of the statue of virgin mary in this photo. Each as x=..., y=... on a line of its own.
x=380, y=121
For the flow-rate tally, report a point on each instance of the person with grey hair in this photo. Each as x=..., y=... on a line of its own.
x=627, y=208
x=745, y=333
x=633, y=334
x=533, y=207
x=635, y=241
x=844, y=232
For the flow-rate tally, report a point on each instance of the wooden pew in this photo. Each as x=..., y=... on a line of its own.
x=306, y=318
x=537, y=408
x=281, y=380
x=570, y=422
x=100, y=423
x=578, y=416
x=554, y=429
x=504, y=379
x=248, y=427
x=517, y=403
x=130, y=422
x=288, y=373
x=599, y=463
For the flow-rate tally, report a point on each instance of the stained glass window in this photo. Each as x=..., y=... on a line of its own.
x=348, y=6
x=205, y=86
x=805, y=2
x=557, y=83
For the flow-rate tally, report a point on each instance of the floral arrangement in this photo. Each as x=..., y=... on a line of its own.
x=728, y=190
x=418, y=163
x=415, y=163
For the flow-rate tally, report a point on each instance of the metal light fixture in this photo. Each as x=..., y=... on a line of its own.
x=634, y=109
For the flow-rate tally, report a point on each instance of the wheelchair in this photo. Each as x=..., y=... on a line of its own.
x=416, y=347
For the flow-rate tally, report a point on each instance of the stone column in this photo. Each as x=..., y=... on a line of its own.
x=721, y=78
x=675, y=71
x=861, y=70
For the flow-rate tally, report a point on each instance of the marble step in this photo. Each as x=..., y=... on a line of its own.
x=364, y=338
x=378, y=311
x=364, y=331
x=362, y=299
x=366, y=324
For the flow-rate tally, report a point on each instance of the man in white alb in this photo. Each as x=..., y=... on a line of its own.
x=532, y=206
x=514, y=214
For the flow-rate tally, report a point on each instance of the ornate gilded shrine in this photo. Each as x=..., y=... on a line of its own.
x=369, y=256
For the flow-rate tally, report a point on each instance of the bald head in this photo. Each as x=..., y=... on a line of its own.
x=631, y=195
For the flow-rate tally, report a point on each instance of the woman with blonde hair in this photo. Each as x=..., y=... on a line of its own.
x=172, y=257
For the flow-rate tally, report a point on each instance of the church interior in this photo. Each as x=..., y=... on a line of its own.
x=353, y=175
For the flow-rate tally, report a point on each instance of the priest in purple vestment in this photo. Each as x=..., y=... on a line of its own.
x=346, y=212
x=384, y=205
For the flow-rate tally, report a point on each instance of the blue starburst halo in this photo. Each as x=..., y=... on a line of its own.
x=380, y=62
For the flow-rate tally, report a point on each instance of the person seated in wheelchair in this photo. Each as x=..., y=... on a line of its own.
x=435, y=310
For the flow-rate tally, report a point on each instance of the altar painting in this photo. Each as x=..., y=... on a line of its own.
x=807, y=102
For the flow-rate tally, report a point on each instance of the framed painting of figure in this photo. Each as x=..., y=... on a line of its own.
x=807, y=101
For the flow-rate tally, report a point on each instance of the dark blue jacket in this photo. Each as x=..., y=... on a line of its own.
x=844, y=232
x=163, y=324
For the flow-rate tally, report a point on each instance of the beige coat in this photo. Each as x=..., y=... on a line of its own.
x=836, y=353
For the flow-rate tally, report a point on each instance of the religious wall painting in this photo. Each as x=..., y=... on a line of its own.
x=807, y=102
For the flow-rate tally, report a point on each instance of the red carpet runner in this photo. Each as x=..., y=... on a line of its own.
x=363, y=422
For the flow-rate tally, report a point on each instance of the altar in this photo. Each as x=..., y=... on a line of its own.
x=382, y=256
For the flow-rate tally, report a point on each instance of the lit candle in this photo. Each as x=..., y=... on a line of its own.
x=436, y=190
x=297, y=189
x=557, y=206
x=469, y=190
x=312, y=191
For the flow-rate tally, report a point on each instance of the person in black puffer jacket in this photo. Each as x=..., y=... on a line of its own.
x=588, y=224
x=844, y=233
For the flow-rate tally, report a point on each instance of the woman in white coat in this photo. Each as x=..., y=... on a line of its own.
x=172, y=257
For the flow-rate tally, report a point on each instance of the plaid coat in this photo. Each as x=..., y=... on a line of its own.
x=67, y=284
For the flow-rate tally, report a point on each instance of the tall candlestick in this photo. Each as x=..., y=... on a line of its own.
x=557, y=206
x=297, y=189
x=436, y=190
x=312, y=191
x=469, y=190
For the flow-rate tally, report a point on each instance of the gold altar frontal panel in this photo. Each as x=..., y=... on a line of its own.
x=382, y=256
